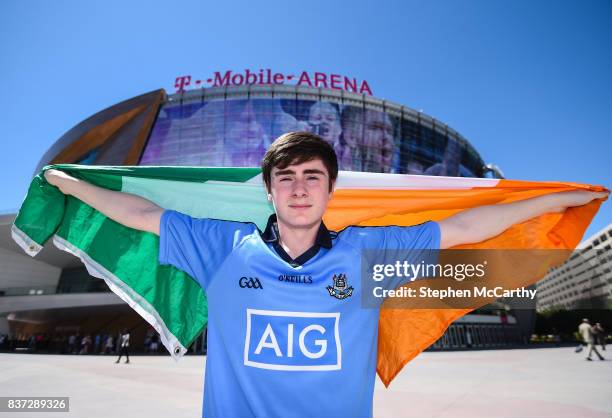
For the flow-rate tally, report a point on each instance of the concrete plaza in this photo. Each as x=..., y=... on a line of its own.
x=545, y=382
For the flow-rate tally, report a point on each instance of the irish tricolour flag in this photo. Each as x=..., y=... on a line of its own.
x=176, y=306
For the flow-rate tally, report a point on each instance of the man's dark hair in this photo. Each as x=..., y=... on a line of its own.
x=297, y=148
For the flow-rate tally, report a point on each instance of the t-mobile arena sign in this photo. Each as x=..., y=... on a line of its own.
x=267, y=76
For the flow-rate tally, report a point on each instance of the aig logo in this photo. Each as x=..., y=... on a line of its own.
x=294, y=341
x=250, y=282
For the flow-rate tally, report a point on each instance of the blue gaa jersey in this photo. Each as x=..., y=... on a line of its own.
x=284, y=339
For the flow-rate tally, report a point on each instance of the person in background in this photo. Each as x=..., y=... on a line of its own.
x=71, y=343
x=601, y=335
x=586, y=332
x=108, y=346
x=124, y=346
x=154, y=344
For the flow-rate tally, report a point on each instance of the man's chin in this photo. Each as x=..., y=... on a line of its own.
x=302, y=222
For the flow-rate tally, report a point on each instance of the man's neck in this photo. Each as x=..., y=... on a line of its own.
x=296, y=241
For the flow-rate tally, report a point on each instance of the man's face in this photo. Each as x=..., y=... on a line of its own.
x=300, y=193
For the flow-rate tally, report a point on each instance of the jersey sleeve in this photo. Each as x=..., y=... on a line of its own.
x=198, y=246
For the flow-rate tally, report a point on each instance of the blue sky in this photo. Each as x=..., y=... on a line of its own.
x=528, y=83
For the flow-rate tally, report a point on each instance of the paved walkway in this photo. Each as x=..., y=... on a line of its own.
x=547, y=382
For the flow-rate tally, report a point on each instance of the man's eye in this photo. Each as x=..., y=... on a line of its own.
x=312, y=178
x=285, y=179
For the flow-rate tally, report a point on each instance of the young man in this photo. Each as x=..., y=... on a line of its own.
x=288, y=336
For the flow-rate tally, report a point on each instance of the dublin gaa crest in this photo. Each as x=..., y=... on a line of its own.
x=340, y=289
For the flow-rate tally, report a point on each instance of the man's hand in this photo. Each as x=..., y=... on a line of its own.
x=59, y=179
x=127, y=209
x=576, y=198
x=484, y=222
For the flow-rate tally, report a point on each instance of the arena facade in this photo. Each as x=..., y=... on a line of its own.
x=230, y=124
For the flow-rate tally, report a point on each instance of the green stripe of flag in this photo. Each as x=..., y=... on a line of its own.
x=127, y=259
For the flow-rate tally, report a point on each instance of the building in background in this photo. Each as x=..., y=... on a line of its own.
x=232, y=126
x=584, y=281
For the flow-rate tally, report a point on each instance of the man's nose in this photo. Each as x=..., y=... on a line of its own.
x=299, y=188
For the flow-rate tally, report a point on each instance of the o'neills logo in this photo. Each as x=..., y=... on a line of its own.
x=267, y=76
x=295, y=278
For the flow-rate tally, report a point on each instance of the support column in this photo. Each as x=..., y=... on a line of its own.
x=4, y=325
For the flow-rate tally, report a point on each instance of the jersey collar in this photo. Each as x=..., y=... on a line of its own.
x=323, y=239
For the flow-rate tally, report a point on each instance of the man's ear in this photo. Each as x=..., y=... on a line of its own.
x=333, y=187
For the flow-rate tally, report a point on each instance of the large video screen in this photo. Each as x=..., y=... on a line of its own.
x=236, y=133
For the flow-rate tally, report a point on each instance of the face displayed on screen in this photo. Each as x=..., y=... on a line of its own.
x=352, y=126
x=243, y=130
x=324, y=120
x=378, y=129
x=285, y=122
x=378, y=140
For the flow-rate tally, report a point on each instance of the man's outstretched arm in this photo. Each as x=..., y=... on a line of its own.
x=127, y=209
x=484, y=222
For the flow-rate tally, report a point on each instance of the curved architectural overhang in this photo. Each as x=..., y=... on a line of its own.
x=16, y=304
x=131, y=120
x=50, y=254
